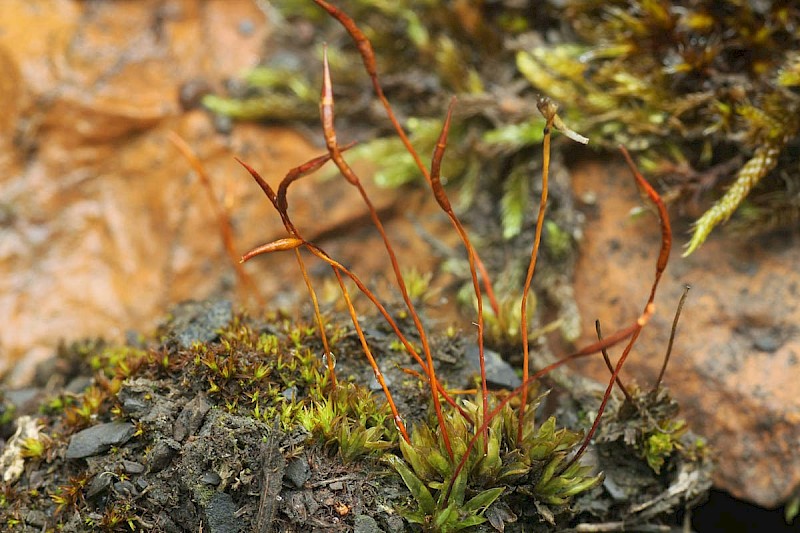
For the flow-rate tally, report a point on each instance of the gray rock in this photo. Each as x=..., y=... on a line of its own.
x=211, y=478
x=19, y=398
x=161, y=454
x=99, y=484
x=290, y=394
x=297, y=472
x=191, y=417
x=132, y=467
x=374, y=385
x=395, y=524
x=37, y=519
x=498, y=372
x=126, y=489
x=199, y=321
x=134, y=406
x=78, y=384
x=366, y=524
x=98, y=439
x=220, y=513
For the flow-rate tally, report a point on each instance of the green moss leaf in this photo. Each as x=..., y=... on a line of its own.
x=483, y=500
x=418, y=489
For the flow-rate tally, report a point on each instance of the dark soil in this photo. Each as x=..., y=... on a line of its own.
x=167, y=453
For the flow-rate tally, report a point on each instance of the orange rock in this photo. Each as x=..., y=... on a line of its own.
x=103, y=226
x=734, y=367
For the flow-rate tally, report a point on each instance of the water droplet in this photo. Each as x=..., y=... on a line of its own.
x=331, y=357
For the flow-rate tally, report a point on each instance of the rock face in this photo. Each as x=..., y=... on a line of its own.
x=104, y=226
x=734, y=368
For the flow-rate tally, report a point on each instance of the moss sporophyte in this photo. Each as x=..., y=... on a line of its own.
x=470, y=453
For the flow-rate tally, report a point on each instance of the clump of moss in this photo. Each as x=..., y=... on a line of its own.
x=648, y=424
x=695, y=85
x=536, y=467
x=266, y=370
x=449, y=461
x=707, y=91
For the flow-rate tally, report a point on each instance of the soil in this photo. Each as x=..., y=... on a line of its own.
x=166, y=452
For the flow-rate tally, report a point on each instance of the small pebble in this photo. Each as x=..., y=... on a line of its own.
x=395, y=524
x=126, y=489
x=336, y=485
x=297, y=472
x=36, y=519
x=366, y=524
x=498, y=372
x=199, y=321
x=99, y=484
x=132, y=467
x=98, y=439
x=161, y=454
x=374, y=384
x=211, y=478
x=220, y=514
x=191, y=417
x=134, y=406
x=20, y=397
x=78, y=385
x=290, y=393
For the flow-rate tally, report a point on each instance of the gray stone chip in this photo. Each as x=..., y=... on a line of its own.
x=220, y=514
x=366, y=524
x=98, y=439
x=191, y=417
x=199, y=321
x=297, y=472
x=498, y=372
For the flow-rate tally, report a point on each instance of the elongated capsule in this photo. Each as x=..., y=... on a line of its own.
x=288, y=243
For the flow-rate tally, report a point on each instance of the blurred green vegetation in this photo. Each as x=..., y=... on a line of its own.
x=706, y=91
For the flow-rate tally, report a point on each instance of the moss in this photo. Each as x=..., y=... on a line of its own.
x=648, y=424
x=693, y=85
x=451, y=494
